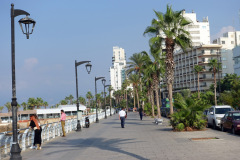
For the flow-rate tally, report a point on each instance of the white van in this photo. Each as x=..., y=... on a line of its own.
x=215, y=114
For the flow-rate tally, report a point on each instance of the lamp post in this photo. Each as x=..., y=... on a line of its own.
x=15, y=149
x=97, y=78
x=88, y=68
x=103, y=82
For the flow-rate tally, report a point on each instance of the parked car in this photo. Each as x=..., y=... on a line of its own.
x=231, y=121
x=215, y=114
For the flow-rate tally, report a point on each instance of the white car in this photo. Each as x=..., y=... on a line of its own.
x=215, y=114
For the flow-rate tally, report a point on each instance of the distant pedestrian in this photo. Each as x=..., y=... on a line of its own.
x=140, y=110
x=35, y=125
x=122, y=116
x=63, y=119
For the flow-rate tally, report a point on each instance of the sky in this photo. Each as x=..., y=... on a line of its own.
x=83, y=30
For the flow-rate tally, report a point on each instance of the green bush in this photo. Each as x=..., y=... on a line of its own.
x=180, y=127
x=189, y=112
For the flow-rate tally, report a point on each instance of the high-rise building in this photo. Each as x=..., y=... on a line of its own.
x=117, y=70
x=199, y=31
x=228, y=42
x=236, y=58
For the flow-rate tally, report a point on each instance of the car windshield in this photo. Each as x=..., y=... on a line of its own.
x=236, y=116
x=222, y=110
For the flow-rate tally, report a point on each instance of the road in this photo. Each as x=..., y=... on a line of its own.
x=139, y=140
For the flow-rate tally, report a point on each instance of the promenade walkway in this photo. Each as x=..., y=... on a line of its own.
x=139, y=140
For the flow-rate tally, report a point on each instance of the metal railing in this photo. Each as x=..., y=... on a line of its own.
x=49, y=131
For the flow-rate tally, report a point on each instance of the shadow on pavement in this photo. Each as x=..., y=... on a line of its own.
x=100, y=143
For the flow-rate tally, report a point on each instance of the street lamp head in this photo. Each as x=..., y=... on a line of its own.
x=103, y=82
x=88, y=67
x=27, y=22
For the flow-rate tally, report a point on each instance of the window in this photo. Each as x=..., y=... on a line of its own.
x=224, y=74
x=223, y=42
x=202, y=51
x=204, y=27
x=224, y=66
x=224, y=58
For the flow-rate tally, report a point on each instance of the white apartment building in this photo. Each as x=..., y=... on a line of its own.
x=185, y=77
x=236, y=58
x=199, y=31
x=228, y=42
x=117, y=70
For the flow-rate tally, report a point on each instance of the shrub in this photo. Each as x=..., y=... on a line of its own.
x=180, y=127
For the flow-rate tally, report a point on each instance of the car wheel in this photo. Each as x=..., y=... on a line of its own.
x=214, y=125
x=222, y=128
x=233, y=130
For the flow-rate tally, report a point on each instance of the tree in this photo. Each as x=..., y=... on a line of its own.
x=169, y=28
x=154, y=67
x=136, y=66
x=198, y=69
x=39, y=102
x=63, y=102
x=89, y=96
x=71, y=98
x=99, y=98
x=1, y=108
x=82, y=100
x=45, y=104
x=32, y=102
x=214, y=67
x=135, y=80
x=8, y=106
x=24, y=105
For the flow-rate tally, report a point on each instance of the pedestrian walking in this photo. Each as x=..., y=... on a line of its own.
x=63, y=119
x=35, y=125
x=122, y=116
x=140, y=112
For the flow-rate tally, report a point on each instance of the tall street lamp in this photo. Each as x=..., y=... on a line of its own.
x=103, y=82
x=97, y=78
x=28, y=22
x=88, y=68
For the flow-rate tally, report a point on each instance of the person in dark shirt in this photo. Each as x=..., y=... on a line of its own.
x=35, y=125
x=140, y=110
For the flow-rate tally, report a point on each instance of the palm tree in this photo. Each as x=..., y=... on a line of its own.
x=32, y=102
x=39, y=102
x=135, y=80
x=214, y=67
x=45, y=104
x=1, y=108
x=70, y=97
x=24, y=105
x=89, y=96
x=198, y=69
x=82, y=100
x=63, y=102
x=99, y=99
x=136, y=66
x=154, y=67
x=8, y=106
x=169, y=28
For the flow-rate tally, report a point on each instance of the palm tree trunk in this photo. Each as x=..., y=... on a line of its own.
x=134, y=103
x=215, y=88
x=198, y=86
x=152, y=102
x=137, y=98
x=170, y=97
x=157, y=99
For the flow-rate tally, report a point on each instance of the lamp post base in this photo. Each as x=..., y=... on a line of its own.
x=110, y=114
x=78, y=126
x=97, y=120
x=15, y=152
x=105, y=116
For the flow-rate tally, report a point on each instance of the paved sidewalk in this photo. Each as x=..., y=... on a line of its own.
x=140, y=140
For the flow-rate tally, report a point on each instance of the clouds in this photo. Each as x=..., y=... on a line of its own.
x=222, y=31
x=29, y=64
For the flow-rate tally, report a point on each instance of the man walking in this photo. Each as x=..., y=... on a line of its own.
x=122, y=116
x=63, y=118
x=140, y=112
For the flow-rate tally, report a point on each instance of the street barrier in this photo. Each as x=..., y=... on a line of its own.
x=49, y=131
